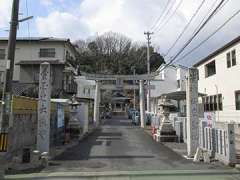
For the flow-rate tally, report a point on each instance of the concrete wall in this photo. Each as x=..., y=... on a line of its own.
x=225, y=81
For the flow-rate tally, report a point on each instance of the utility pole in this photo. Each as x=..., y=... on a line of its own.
x=134, y=90
x=148, y=34
x=10, y=56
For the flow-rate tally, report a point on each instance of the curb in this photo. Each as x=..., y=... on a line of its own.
x=126, y=174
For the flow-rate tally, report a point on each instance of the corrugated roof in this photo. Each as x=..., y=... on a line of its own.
x=218, y=51
x=37, y=62
x=47, y=39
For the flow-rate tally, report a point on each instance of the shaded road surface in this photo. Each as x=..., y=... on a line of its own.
x=119, y=146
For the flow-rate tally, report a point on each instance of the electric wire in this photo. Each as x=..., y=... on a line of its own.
x=212, y=34
x=160, y=17
x=169, y=18
x=165, y=15
x=186, y=27
x=213, y=5
x=195, y=34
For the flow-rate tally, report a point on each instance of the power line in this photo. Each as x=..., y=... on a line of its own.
x=212, y=34
x=165, y=15
x=185, y=28
x=170, y=17
x=159, y=18
x=213, y=5
x=195, y=34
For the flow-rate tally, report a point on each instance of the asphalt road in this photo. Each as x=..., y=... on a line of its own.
x=119, y=150
x=118, y=145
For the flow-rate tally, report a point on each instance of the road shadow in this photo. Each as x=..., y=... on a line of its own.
x=82, y=150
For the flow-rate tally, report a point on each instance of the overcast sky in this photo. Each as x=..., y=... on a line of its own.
x=79, y=19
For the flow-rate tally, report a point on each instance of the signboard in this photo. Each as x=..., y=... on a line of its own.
x=60, y=115
x=210, y=117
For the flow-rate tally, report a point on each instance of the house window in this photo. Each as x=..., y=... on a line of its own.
x=237, y=100
x=234, y=57
x=228, y=60
x=2, y=54
x=210, y=69
x=212, y=103
x=178, y=84
x=1, y=77
x=47, y=52
x=231, y=58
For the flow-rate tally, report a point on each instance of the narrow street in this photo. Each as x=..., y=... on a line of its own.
x=120, y=146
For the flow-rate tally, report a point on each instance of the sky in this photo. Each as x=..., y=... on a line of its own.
x=80, y=19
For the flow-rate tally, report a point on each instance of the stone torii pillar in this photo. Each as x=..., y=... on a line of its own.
x=192, y=112
x=96, y=103
x=142, y=103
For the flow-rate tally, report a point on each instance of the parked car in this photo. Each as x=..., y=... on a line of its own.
x=135, y=117
x=149, y=118
x=108, y=115
x=129, y=112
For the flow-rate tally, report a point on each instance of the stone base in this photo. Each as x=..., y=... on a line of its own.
x=168, y=138
x=167, y=133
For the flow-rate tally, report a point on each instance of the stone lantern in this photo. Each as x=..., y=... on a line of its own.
x=166, y=132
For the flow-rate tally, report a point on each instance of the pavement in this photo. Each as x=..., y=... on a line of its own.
x=119, y=149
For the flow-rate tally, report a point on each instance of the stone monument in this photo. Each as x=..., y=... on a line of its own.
x=44, y=106
x=192, y=112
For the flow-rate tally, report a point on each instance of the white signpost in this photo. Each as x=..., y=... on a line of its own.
x=44, y=106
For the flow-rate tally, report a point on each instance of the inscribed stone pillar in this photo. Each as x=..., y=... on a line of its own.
x=96, y=103
x=44, y=106
x=142, y=103
x=192, y=112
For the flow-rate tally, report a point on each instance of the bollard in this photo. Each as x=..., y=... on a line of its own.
x=44, y=159
x=2, y=166
x=36, y=158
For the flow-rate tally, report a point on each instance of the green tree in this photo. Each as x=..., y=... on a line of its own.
x=114, y=53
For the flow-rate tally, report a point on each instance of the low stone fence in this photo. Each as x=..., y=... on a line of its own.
x=219, y=142
x=180, y=126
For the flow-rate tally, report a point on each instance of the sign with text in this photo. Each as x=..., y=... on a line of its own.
x=210, y=117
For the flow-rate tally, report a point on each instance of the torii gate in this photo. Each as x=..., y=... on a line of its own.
x=118, y=86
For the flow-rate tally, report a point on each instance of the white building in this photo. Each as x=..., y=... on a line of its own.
x=219, y=78
x=171, y=79
x=85, y=88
